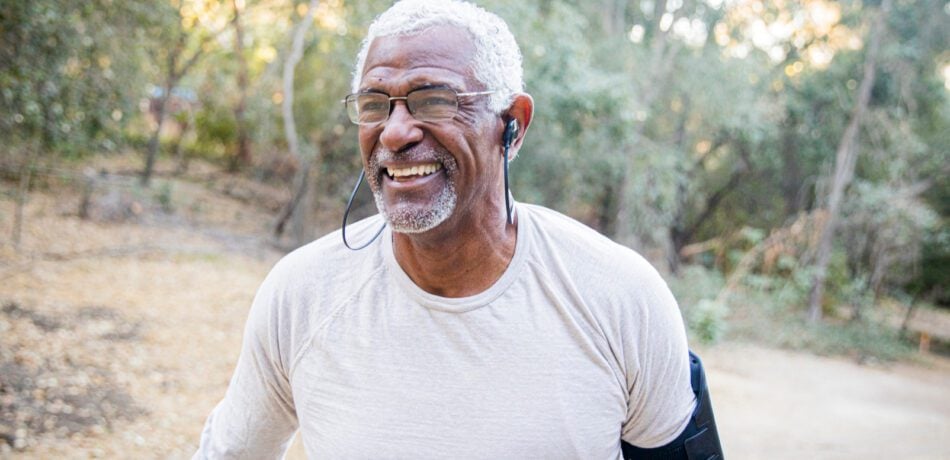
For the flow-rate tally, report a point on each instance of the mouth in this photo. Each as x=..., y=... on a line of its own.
x=413, y=172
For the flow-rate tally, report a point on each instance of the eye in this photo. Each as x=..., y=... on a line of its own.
x=372, y=103
x=433, y=104
x=434, y=98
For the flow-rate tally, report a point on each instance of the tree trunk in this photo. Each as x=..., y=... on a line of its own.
x=173, y=75
x=154, y=141
x=679, y=217
x=299, y=190
x=243, y=156
x=845, y=159
x=613, y=16
x=26, y=175
x=791, y=168
x=290, y=125
x=179, y=151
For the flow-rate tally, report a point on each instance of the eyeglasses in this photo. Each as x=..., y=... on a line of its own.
x=426, y=104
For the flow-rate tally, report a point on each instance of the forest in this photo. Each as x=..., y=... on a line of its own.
x=797, y=150
x=783, y=163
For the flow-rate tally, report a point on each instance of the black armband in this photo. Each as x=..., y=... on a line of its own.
x=700, y=439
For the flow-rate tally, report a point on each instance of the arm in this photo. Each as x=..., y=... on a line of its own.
x=669, y=413
x=700, y=438
x=256, y=419
x=656, y=361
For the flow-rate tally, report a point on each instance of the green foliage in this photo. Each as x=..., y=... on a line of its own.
x=707, y=320
x=709, y=144
x=933, y=281
x=769, y=308
x=870, y=338
x=67, y=75
x=883, y=234
x=695, y=283
x=216, y=132
x=695, y=289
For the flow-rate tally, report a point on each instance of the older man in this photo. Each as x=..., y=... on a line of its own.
x=473, y=327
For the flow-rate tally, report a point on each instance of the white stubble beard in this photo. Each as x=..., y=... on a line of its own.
x=404, y=217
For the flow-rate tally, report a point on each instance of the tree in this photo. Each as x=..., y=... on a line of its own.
x=845, y=159
x=190, y=38
x=294, y=55
x=243, y=156
x=68, y=78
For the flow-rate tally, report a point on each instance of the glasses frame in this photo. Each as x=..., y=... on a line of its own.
x=352, y=97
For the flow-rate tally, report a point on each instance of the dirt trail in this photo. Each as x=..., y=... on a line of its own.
x=778, y=404
x=161, y=319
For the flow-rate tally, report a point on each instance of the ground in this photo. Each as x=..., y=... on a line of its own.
x=118, y=335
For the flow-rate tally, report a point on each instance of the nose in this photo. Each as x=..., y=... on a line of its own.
x=401, y=130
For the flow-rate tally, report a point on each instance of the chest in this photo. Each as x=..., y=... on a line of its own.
x=386, y=378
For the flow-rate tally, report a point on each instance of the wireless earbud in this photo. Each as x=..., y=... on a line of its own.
x=511, y=132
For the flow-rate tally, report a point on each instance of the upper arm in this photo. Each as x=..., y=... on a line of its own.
x=256, y=418
x=656, y=355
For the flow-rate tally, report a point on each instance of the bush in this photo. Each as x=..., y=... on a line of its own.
x=695, y=290
x=707, y=320
x=770, y=309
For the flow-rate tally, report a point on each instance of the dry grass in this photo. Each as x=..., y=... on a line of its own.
x=123, y=335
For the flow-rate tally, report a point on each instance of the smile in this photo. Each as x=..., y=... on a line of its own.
x=410, y=172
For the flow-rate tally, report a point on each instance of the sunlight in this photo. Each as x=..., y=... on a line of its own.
x=636, y=33
x=813, y=28
x=266, y=53
x=692, y=32
x=666, y=21
x=824, y=16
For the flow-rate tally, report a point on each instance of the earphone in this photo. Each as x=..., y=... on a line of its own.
x=511, y=132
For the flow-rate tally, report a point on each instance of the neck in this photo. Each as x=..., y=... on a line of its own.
x=457, y=263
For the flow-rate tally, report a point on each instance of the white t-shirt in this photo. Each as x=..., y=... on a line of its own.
x=578, y=344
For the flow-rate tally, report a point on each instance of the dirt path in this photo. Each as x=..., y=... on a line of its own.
x=159, y=323
x=783, y=405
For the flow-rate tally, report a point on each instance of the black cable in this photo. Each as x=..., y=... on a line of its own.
x=346, y=213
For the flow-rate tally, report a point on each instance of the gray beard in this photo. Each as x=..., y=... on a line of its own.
x=405, y=217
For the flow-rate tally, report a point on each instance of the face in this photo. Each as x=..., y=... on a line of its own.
x=425, y=173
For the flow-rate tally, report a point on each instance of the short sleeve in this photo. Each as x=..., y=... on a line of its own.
x=660, y=398
x=256, y=418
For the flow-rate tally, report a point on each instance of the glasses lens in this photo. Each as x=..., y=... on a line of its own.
x=351, y=108
x=432, y=104
x=367, y=108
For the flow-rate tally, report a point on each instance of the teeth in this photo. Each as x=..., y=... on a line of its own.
x=422, y=170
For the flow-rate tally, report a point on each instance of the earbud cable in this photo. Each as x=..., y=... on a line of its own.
x=346, y=213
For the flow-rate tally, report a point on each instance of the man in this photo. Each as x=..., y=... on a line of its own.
x=463, y=331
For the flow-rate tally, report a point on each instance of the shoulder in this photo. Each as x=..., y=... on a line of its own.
x=327, y=262
x=557, y=235
x=306, y=285
x=619, y=287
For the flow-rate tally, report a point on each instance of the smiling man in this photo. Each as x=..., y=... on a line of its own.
x=471, y=328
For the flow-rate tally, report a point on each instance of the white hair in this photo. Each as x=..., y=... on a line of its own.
x=497, y=60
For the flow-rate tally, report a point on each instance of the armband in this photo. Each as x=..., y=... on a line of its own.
x=700, y=439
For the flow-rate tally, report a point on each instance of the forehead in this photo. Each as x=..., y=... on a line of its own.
x=440, y=54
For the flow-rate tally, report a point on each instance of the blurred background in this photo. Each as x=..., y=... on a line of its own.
x=784, y=164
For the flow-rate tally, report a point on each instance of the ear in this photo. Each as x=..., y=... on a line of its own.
x=522, y=111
